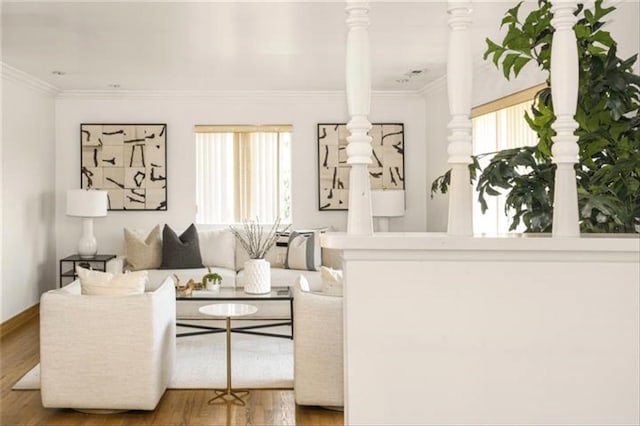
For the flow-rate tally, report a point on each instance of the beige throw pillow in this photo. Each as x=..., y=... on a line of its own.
x=97, y=283
x=143, y=254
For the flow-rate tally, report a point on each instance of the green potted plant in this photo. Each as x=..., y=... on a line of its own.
x=211, y=280
x=608, y=116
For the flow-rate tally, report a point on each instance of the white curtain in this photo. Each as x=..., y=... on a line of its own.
x=503, y=129
x=215, y=178
x=485, y=133
x=240, y=176
x=264, y=171
x=284, y=168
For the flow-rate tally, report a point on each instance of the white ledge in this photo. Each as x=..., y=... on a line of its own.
x=610, y=247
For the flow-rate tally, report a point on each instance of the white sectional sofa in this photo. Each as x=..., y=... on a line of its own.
x=224, y=255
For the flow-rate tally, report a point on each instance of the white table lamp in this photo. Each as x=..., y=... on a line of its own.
x=87, y=204
x=386, y=203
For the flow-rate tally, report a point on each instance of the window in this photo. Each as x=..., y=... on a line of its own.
x=496, y=126
x=243, y=172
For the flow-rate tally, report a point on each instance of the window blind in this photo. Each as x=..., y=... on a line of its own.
x=494, y=131
x=242, y=175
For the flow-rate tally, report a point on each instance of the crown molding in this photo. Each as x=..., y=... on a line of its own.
x=193, y=94
x=226, y=95
x=35, y=83
x=432, y=86
x=478, y=67
x=396, y=93
x=28, y=80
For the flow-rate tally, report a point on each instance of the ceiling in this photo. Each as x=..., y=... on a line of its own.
x=227, y=45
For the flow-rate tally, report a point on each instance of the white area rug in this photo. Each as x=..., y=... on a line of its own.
x=257, y=362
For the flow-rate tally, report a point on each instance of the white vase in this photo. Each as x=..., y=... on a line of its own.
x=257, y=276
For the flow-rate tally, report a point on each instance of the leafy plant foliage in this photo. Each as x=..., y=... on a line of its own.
x=608, y=116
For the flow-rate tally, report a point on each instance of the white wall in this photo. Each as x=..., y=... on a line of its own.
x=490, y=331
x=624, y=26
x=1, y=183
x=182, y=111
x=437, y=110
x=28, y=205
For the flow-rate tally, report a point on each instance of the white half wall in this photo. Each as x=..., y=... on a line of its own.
x=181, y=111
x=28, y=180
x=490, y=331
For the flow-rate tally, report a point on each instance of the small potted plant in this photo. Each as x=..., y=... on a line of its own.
x=211, y=280
x=257, y=241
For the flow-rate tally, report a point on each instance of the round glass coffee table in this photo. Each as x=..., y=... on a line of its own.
x=228, y=310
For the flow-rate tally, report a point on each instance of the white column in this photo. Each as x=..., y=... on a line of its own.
x=358, y=80
x=564, y=92
x=459, y=79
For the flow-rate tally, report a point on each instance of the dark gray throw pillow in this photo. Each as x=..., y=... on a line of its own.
x=181, y=252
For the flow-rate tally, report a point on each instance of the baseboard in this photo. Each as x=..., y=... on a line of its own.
x=19, y=320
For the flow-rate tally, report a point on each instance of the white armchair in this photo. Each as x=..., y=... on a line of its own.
x=106, y=352
x=317, y=353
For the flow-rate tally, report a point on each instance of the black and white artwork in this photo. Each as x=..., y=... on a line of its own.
x=386, y=170
x=127, y=160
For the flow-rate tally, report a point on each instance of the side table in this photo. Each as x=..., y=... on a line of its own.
x=69, y=263
x=228, y=310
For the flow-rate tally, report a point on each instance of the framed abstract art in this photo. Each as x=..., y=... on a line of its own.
x=127, y=160
x=386, y=170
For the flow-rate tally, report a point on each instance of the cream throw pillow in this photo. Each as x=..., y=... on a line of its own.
x=97, y=283
x=143, y=254
x=331, y=281
x=217, y=248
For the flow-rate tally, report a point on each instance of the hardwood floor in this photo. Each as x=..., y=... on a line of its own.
x=19, y=352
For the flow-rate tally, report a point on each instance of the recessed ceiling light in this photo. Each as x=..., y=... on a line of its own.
x=417, y=72
x=411, y=74
x=58, y=72
x=114, y=86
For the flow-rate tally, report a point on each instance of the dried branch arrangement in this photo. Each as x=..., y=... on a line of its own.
x=255, y=239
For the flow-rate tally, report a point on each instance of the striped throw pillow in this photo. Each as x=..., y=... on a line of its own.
x=303, y=251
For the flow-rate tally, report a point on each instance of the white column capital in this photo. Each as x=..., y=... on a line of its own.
x=563, y=17
x=459, y=14
x=358, y=14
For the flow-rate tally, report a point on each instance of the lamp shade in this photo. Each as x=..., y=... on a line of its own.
x=387, y=202
x=86, y=203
